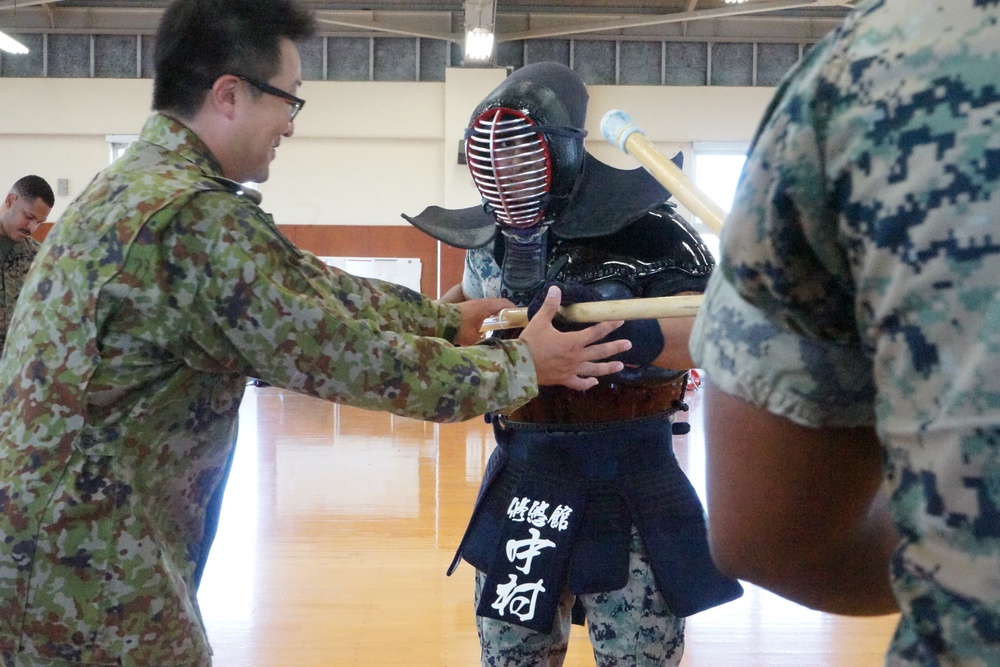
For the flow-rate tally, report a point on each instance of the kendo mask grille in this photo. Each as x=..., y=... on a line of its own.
x=511, y=165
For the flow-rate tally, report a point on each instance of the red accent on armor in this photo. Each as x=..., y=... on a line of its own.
x=511, y=165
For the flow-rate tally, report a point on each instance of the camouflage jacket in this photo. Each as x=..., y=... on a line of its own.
x=158, y=292
x=14, y=265
x=859, y=285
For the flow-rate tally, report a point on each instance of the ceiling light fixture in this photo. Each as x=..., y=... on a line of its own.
x=479, y=44
x=11, y=45
x=480, y=17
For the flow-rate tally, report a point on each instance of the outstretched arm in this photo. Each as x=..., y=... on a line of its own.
x=454, y=295
x=676, y=335
x=799, y=511
x=474, y=311
x=570, y=358
x=561, y=358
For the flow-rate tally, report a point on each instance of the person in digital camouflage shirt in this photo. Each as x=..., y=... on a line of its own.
x=25, y=207
x=162, y=288
x=850, y=335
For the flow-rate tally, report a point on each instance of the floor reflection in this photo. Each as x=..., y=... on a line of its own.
x=339, y=524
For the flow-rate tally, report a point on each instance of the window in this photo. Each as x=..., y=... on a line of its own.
x=117, y=143
x=717, y=169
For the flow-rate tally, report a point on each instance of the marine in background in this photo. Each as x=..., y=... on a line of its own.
x=25, y=207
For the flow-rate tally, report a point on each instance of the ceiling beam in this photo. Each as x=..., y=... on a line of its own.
x=19, y=4
x=662, y=19
x=480, y=14
x=376, y=25
x=55, y=16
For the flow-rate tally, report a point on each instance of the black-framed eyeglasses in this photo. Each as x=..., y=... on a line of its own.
x=295, y=102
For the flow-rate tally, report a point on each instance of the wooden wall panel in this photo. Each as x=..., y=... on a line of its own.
x=363, y=241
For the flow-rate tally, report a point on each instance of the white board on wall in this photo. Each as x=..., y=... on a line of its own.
x=400, y=270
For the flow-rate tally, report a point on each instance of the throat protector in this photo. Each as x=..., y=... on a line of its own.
x=525, y=151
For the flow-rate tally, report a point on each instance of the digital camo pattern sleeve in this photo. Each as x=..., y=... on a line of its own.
x=857, y=183
x=777, y=327
x=864, y=240
x=482, y=277
x=296, y=323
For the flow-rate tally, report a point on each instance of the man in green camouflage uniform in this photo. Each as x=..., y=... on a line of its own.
x=26, y=206
x=851, y=335
x=162, y=288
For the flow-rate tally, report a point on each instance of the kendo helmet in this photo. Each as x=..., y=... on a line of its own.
x=524, y=148
x=524, y=145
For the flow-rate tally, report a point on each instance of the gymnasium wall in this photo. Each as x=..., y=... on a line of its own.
x=362, y=153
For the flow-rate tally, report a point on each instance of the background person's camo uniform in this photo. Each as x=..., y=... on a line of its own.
x=859, y=285
x=15, y=260
x=155, y=296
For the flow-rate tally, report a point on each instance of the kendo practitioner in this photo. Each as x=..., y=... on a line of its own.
x=584, y=511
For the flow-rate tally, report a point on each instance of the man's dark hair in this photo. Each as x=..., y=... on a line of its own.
x=34, y=187
x=200, y=40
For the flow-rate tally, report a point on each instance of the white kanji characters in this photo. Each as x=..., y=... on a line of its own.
x=518, y=508
x=535, y=512
x=527, y=549
x=536, y=515
x=560, y=517
x=519, y=599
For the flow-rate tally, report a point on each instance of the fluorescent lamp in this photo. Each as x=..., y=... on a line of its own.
x=479, y=44
x=11, y=45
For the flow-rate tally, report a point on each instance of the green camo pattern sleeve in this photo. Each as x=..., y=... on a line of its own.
x=152, y=299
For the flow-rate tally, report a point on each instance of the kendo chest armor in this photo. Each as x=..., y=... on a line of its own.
x=553, y=212
x=659, y=254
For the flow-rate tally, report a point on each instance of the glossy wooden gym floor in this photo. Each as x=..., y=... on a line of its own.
x=339, y=524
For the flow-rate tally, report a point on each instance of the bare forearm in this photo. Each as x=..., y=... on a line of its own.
x=454, y=295
x=842, y=576
x=798, y=510
x=676, y=332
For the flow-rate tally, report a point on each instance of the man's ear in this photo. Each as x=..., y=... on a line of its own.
x=222, y=95
x=9, y=201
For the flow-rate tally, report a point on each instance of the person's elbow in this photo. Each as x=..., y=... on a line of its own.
x=744, y=554
x=808, y=568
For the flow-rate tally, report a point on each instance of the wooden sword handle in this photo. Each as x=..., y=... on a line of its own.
x=618, y=128
x=600, y=311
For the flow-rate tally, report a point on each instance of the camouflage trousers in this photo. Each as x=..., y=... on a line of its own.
x=629, y=627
